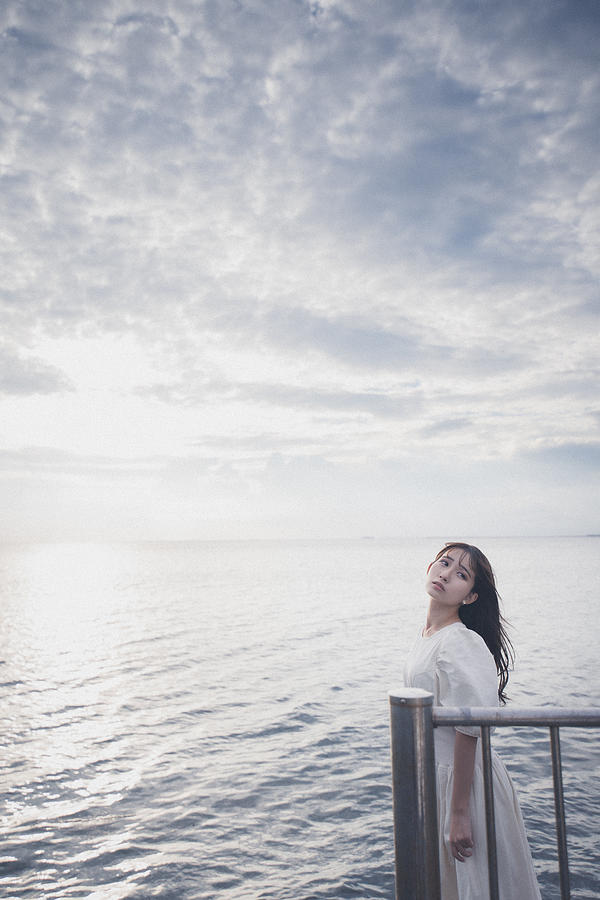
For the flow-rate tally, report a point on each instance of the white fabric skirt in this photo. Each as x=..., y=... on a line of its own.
x=468, y=880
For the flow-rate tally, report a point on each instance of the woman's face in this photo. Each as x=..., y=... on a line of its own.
x=450, y=579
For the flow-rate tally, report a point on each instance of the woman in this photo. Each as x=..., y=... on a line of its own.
x=462, y=657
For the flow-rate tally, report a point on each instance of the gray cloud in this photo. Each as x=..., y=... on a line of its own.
x=355, y=342
x=400, y=130
x=581, y=458
x=24, y=375
x=444, y=426
x=375, y=403
x=369, y=402
x=39, y=459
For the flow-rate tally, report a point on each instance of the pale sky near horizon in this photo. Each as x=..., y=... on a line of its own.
x=293, y=269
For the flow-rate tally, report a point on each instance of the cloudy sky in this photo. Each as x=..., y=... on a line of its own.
x=288, y=268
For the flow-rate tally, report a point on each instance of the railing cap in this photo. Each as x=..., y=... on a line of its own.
x=407, y=696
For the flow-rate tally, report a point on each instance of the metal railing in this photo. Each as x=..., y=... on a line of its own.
x=413, y=718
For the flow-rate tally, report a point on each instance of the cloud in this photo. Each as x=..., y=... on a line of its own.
x=30, y=461
x=23, y=375
x=314, y=399
x=443, y=426
x=165, y=175
x=372, y=403
x=355, y=342
x=327, y=229
x=580, y=458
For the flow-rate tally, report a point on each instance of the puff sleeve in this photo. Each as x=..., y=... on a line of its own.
x=466, y=673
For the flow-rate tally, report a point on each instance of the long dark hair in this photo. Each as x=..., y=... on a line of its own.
x=483, y=615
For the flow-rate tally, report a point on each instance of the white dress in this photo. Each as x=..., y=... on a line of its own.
x=455, y=665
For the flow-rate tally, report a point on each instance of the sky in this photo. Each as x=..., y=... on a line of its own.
x=289, y=269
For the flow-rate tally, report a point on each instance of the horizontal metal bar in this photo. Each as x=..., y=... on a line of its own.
x=584, y=717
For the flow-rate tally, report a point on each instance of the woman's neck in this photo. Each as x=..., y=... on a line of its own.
x=438, y=618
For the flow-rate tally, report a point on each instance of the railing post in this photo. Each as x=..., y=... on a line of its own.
x=559, y=806
x=490, y=819
x=414, y=795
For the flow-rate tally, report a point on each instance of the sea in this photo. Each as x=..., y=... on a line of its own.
x=209, y=720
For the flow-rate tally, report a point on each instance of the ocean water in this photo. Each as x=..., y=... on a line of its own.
x=210, y=720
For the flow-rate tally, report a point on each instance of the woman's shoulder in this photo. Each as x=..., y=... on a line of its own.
x=463, y=641
x=466, y=671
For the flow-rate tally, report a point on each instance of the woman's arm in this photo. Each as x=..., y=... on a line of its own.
x=461, y=838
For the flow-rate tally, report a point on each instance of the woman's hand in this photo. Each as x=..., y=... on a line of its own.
x=461, y=838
